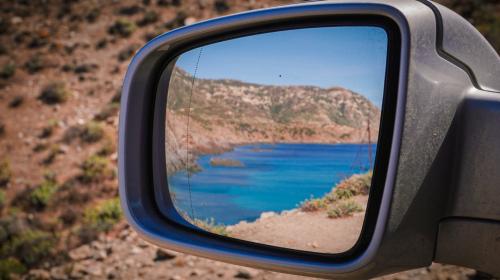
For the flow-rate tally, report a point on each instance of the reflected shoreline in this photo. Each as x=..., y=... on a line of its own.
x=231, y=184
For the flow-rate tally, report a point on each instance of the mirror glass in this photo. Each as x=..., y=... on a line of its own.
x=272, y=138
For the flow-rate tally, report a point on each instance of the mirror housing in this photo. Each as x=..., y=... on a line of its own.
x=422, y=198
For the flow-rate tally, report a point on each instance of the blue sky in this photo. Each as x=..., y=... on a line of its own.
x=352, y=57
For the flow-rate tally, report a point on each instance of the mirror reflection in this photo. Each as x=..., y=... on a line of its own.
x=272, y=138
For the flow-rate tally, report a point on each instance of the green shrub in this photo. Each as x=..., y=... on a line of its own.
x=5, y=173
x=221, y=6
x=130, y=10
x=340, y=193
x=34, y=64
x=313, y=204
x=122, y=28
x=11, y=266
x=344, y=209
x=193, y=167
x=108, y=111
x=101, y=44
x=8, y=70
x=72, y=133
x=54, y=93
x=92, y=132
x=16, y=101
x=95, y=169
x=40, y=147
x=107, y=148
x=69, y=217
x=148, y=18
x=100, y=218
x=30, y=246
x=2, y=199
x=17, y=240
x=357, y=184
x=117, y=97
x=41, y=196
x=210, y=226
x=92, y=15
x=54, y=150
x=127, y=52
x=48, y=129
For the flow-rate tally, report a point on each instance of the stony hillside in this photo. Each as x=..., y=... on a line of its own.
x=61, y=68
x=223, y=113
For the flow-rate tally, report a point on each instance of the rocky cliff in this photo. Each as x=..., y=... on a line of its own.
x=210, y=116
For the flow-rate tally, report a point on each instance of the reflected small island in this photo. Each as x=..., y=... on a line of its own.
x=226, y=162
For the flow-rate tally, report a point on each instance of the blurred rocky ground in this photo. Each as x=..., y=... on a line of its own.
x=61, y=68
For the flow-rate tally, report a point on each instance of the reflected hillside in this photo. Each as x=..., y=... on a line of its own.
x=224, y=113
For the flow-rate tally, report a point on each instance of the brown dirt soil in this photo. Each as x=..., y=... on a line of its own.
x=309, y=231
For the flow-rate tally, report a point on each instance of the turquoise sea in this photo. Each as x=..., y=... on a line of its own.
x=274, y=177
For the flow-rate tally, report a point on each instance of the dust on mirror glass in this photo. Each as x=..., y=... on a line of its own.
x=272, y=138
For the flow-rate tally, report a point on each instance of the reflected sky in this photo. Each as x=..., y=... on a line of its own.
x=352, y=57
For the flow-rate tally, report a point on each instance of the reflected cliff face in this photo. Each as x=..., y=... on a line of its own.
x=271, y=136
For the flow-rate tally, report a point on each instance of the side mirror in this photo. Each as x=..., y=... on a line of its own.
x=323, y=139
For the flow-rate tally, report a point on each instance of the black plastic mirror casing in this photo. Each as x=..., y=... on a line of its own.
x=429, y=89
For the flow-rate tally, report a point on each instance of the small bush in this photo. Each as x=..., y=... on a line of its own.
x=130, y=10
x=69, y=217
x=177, y=21
x=41, y=196
x=122, y=27
x=148, y=18
x=92, y=132
x=11, y=266
x=168, y=2
x=2, y=199
x=92, y=15
x=85, y=68
x=39, y=147
x=100, y=218
x=34, y=64
x=95, y=169
x=16, y=101
x=357, y=184
x=5, y=173
x=108, y=111
x=127, y=53
x=101, y=44
x=72, y=133
x=37, y=41
x=342, y=193
x=344, y=209
x=107, y=148
x=48, y=129
x=117, y=97
x=313, y=204
x=30, y=246
x=54, y=93
x=8, y=70
x=54, y=150
x=221, y=6
x=210, y=226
